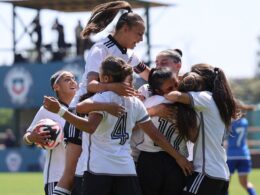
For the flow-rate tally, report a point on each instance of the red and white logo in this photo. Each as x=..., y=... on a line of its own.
x=18, y=81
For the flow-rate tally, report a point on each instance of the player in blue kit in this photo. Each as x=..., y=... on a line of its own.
x=238, y=152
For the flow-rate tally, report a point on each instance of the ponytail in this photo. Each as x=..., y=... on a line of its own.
x=215, y=81
x=223, y=97
x=103, y=15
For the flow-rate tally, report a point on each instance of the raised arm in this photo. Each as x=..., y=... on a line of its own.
x=177, y=96
x=162, y=110
x=145, y=73
x=121, y=89
x=88, y=125
x=88, y=105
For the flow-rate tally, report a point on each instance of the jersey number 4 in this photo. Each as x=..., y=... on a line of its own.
x=119, y=131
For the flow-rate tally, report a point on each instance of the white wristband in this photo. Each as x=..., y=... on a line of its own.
x=27, y=139
x=62, y=111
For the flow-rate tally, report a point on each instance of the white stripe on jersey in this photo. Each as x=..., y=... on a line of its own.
x=196, y=183
x=71, y=130
x=61, y=191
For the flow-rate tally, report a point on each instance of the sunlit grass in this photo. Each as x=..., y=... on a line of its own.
x=32, y=183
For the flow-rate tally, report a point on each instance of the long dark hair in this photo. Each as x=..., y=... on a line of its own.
x=186, y=118
x=213, y=79
x=103, y=14
x=156, y=78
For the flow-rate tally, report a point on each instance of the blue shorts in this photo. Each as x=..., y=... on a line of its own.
x=242, y=166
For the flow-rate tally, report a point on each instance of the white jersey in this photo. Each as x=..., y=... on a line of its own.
x=109, y=148
x=55, y=158
x=102, y=49
x=167, y=128
x=138, y=134
x=209, y=155
x=83, y=159
x=145, y=91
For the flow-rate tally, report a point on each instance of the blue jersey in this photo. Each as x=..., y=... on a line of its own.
x=237, y=140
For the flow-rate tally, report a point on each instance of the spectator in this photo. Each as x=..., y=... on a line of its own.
x=82, y=44
x=37, y=29
x=10, y=140
x=79, y=41
x=238, y=152
x=61, y=38
x=62, y=45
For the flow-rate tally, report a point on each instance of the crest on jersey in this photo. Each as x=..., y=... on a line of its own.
x=18, y=81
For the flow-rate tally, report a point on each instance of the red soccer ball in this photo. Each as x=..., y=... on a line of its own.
x=55, y=130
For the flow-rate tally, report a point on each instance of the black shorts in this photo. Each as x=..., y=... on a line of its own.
x=71, y=133
x=77, y=186
x=159, y=174
x=201, y=184
x=110, y=185
x=49, y=188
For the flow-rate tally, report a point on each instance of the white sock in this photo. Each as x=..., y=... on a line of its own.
x=61, y=191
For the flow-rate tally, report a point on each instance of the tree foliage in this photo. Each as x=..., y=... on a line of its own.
x=248, y=90
x=6, y=116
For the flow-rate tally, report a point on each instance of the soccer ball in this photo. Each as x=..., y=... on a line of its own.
x=55, y=130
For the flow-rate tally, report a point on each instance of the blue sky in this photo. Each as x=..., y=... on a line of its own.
x=222, y=33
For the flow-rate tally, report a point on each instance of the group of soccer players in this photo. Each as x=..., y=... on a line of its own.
x=109, y=123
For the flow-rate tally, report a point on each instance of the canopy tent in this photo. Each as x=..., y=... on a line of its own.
x=63, y=6
x=78, y=5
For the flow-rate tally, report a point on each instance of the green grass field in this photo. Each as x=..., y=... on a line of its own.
x=32, y=183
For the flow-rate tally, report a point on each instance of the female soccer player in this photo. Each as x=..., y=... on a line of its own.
x=170, y=58
x=111, y=169
x=238, y=152
x=207, y=90
x=167, y=178
x=128, y=32
x=65, y=86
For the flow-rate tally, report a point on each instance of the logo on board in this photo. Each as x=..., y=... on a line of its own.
x=18, y=81
x=13, y=161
